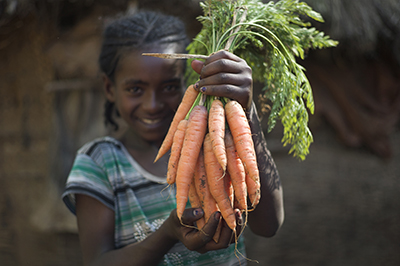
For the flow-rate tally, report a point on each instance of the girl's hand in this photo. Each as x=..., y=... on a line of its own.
x=196, y=240
x=224, y=74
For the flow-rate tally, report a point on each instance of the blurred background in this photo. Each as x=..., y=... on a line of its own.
x=342, y=203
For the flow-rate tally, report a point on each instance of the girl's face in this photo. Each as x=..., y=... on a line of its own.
x=147, y=91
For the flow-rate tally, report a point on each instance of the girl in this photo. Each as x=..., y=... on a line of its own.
x=125, y=215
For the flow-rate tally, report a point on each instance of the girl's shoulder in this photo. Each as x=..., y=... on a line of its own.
x=110, y=154
x=103, y=151
x=101, y=143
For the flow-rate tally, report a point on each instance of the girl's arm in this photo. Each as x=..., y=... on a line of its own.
x=96, y=235
x=268, y=216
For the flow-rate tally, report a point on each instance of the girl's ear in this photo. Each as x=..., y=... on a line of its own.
x=108, y=88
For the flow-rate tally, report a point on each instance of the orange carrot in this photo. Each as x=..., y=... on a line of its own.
x=229, y=188
x=193, y=197
x=241, y=133
x=194, y=200
x=207, y=202
x=229, y=191
x=217, y=184
x=187, y=101
x=176, y=151
x=236, y=171
x=216, y=127
x=253, y=190
x=191, y=147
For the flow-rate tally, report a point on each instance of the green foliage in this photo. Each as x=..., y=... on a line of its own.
x=269, y=36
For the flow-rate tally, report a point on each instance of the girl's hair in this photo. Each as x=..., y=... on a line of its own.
x=134, y=32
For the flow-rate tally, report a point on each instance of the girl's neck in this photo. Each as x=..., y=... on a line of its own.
x=144, y=153
x=132, y=140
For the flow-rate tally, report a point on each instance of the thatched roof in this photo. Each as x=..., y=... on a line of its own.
x=64, y=14
x=58, y=12
x=359, y=23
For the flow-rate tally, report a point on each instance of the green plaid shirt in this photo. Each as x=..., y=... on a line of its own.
x=104, y=170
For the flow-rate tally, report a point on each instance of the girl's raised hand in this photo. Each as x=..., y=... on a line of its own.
x=224, y=74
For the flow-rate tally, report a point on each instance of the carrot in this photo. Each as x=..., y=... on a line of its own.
x=193, y=197
x=194, y=200
x=176, y=151
x=253, y=190
x=216, y=127
x=187, y=101
x=236, y=171
x=229, y=188
x=207, y=201
x=230, y=192
x=191, y=147
x=216, y=184
x=241, y=133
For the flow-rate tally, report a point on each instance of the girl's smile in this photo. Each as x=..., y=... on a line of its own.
x=151, y=121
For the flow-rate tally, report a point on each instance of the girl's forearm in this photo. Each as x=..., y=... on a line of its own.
x=150, y=251
x=268, y=216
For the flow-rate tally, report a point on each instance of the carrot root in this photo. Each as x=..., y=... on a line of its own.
x=237, y=172
x=176, y=151
x=187, y=101
x=216, y=185
x=191, y=147
x=241, y=134
x=216, y=126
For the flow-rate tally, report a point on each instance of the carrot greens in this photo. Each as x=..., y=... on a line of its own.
x=269, y=36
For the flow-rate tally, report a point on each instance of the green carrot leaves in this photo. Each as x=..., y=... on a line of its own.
x=269, y=36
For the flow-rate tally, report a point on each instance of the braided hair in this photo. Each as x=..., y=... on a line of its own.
x=134, y=32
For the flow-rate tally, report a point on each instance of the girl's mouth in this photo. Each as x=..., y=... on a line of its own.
x=150, y=121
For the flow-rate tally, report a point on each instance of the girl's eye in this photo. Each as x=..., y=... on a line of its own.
x=171, y=88
x=134, y=90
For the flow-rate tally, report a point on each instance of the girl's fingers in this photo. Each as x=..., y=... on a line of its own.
x=225, y=75
x=225, y=61
x=226, y=235
x=222, y=54
x=196, y=240
x=210, y=227
x=223, y=65
x=232, y=92
x=222, y=62
x=223, y=78
x=197, y=66
x=191, y=215
x=201, y=241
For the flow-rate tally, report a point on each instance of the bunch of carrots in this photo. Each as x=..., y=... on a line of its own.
x=213, y=167
x=216, y=167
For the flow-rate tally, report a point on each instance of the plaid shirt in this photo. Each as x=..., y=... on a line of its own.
x=104, y=170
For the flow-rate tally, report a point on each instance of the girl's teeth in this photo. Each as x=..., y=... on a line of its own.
x=151, y=121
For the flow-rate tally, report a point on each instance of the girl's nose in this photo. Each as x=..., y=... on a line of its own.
x=152, y=103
